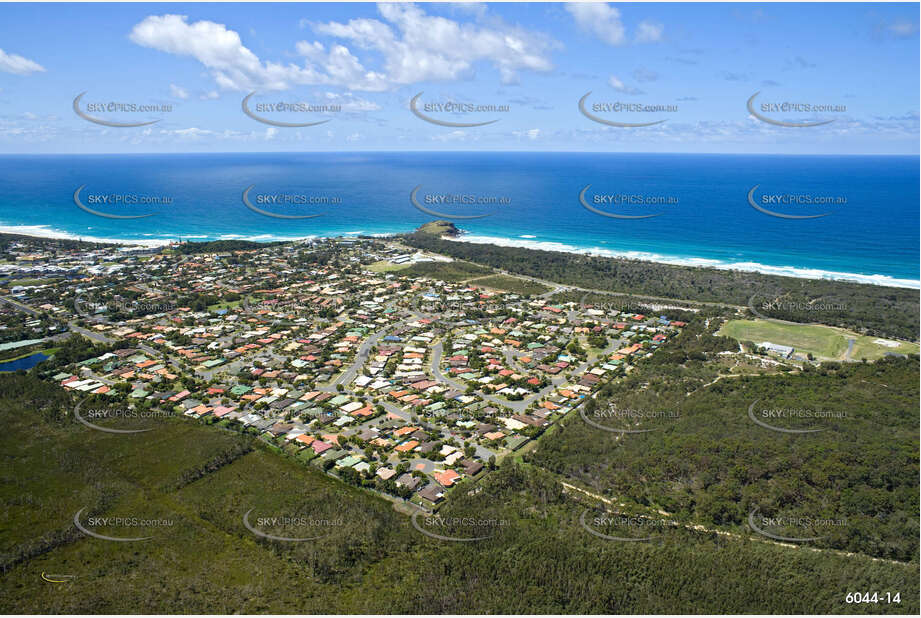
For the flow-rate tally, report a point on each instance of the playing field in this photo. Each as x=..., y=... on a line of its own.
x=823, y=342
x=386, y=266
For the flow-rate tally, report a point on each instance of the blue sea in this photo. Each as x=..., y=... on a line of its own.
x=703, y=212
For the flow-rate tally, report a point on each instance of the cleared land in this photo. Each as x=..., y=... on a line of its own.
x=823, y=342
x=386, y=266
x=509, y=284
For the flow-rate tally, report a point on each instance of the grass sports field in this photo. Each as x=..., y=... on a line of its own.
x=823, y=342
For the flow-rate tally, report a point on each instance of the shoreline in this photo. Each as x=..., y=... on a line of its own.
x=528, y=242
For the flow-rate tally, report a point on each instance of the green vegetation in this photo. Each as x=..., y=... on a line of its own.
x=24, y=351
x=203, y=479
x=51, y=243
x=33, y=282
x=385, y=266
x=510, y=284
x=438, y=228
x=823, y=342
x=445, y=271
x=870, y=309
x=221, y=246
x=706, y=462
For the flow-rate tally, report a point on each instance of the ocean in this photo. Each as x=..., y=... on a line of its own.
x=724, y=211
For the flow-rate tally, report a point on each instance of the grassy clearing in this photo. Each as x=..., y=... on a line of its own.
x=446, y=271
x=386, y=267
x=865, y=347
x=32, y=282
x=225, y=305
x=823, y=342
x=514, y=285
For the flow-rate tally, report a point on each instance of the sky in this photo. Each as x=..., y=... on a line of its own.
x=356, y=68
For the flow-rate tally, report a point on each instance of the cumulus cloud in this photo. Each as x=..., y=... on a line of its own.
x=18, y=65
x=649, y=32
x=233, y=66
x=531, y=134
x=619, y=86
x=643, y=74
x=604, y=21
x=178, y=91
x=600, y=19
x=903, y=29
x=418, y=47
x=413, y=46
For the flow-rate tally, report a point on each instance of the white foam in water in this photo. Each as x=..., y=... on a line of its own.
x=525, y=242
x=42, y=231
x=786, y=271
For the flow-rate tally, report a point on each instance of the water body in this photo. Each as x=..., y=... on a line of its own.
x=26, y=362
x=704, y=216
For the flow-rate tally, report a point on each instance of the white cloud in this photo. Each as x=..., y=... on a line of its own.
x=618, y=85
x=649, y=32
x=531, y=134
x=18, y=65
x=453, y=136
x=351, y=103
x=600, y=19
x=603, y=20
x=414, y=47
x=178, y=91
x=903, y=29
x=270, y=133
x=421, y=47
x=233, y=66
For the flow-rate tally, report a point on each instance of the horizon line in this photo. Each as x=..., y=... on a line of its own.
x=587, y=152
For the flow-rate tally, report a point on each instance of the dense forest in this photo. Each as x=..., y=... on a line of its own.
x=51, y=243
x=220, y=246
x=869, y=309
x=202, y=480
x=707, y=462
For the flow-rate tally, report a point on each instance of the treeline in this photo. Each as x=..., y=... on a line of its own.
x=704, y=460
x=51, y=243
x=220, y=246
x=870, y=309
x=536, y=557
